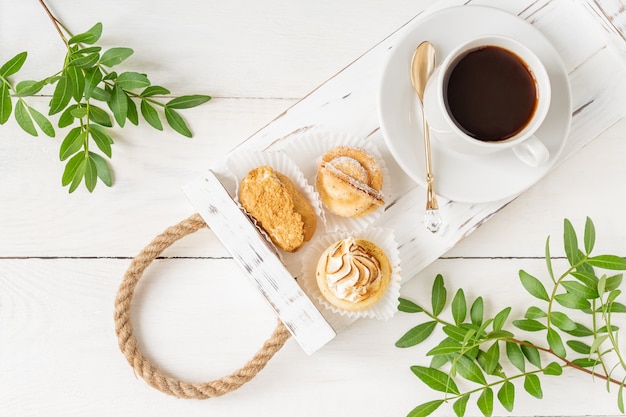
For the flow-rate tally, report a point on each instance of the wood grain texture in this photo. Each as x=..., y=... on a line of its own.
x=62, y=256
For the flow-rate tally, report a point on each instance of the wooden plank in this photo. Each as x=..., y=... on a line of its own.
x=63, y=359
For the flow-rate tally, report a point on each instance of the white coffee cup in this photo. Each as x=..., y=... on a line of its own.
x=522, y=140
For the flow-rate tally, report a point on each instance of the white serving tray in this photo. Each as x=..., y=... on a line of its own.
x=589, y=38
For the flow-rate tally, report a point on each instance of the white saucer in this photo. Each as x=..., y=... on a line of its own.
x=457, y=177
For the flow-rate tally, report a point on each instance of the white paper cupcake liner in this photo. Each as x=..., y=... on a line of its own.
x=242, y=162
x=386, y=307
x=308, y=149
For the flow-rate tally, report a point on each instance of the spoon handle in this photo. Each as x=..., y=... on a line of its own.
x=431, y=196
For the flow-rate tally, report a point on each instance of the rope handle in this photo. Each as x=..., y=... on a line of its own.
x=130, y=348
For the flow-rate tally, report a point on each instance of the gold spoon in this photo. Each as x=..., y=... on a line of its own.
x=422, y=66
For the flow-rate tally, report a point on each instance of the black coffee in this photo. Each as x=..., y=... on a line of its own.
x=490, y=93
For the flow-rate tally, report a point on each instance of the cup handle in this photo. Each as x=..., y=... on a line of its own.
x=532, y=152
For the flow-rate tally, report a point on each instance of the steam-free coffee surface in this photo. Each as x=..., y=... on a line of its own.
x=490, y=93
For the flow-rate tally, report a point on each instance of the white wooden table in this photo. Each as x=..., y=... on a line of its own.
x=62, y=255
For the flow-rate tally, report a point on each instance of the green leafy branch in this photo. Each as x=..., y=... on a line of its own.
x=475, y=347
x=84, y=85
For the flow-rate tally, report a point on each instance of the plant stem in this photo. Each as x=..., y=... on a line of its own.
x=57, y=24
x=566, y=362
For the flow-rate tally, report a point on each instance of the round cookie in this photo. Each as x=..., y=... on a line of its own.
x=349, y=182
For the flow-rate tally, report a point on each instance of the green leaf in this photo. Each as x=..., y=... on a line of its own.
x=561, y=321
x=435, y=379
x=111, y=76
x=79, y=174
x=61, y=96
x=612, y=296
x=177, y=123
x=119, y=105
x=90, y=37
x=484, y=359
x=102, y=139
x=613, y=282
x=99, y=94
x=460, y=405
x=6, y=105
x=470, y=332
x=533, y=286
x=187, y=102
x=154, y=90
x=481, y=330
x=570, y=242
x=590, y=236
x=104, y=173
x=43, y=122
x=99, y=116
x=73, y=142
x=579, y=347
x=476, y=311
x=602, y=285
x=93, y=76
x=584, y=266
x=548, y=258
x=570, y=300
x=115, y=56
x=604, y=329
x=438, y=361
x=77, y=111
x=532, y=354
x=472, y=353
x=492, y=358
x=67, y=117
x=77, y=81
x=585, y=362
x=515, y=355
x=529, y=325
x=29, y=88
x=553, y=368
x=535, y=313
x=13, y=65
x=71, y=167
x=438, y=295
x=580, y=331
x=408, y=306
x=588, y=279
x=500, y=319
x=91, y=174
x=150, y=114
x=23, y=118
x=469, y=370
x=597, y=342
x=88, y=50
x=580, y=290
x=85, y=61
x=445, y=347
x=620, y=398
x=616, y=308
x=132, y=80
x=457, y=333
x=425, y=409
x=506, y=395
x=485, y=402
x=611, y=262
x=500, y=334
x=556, y=343
x=532, y=385
x=459, y=307
x=416, y=335
x=131, y=112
